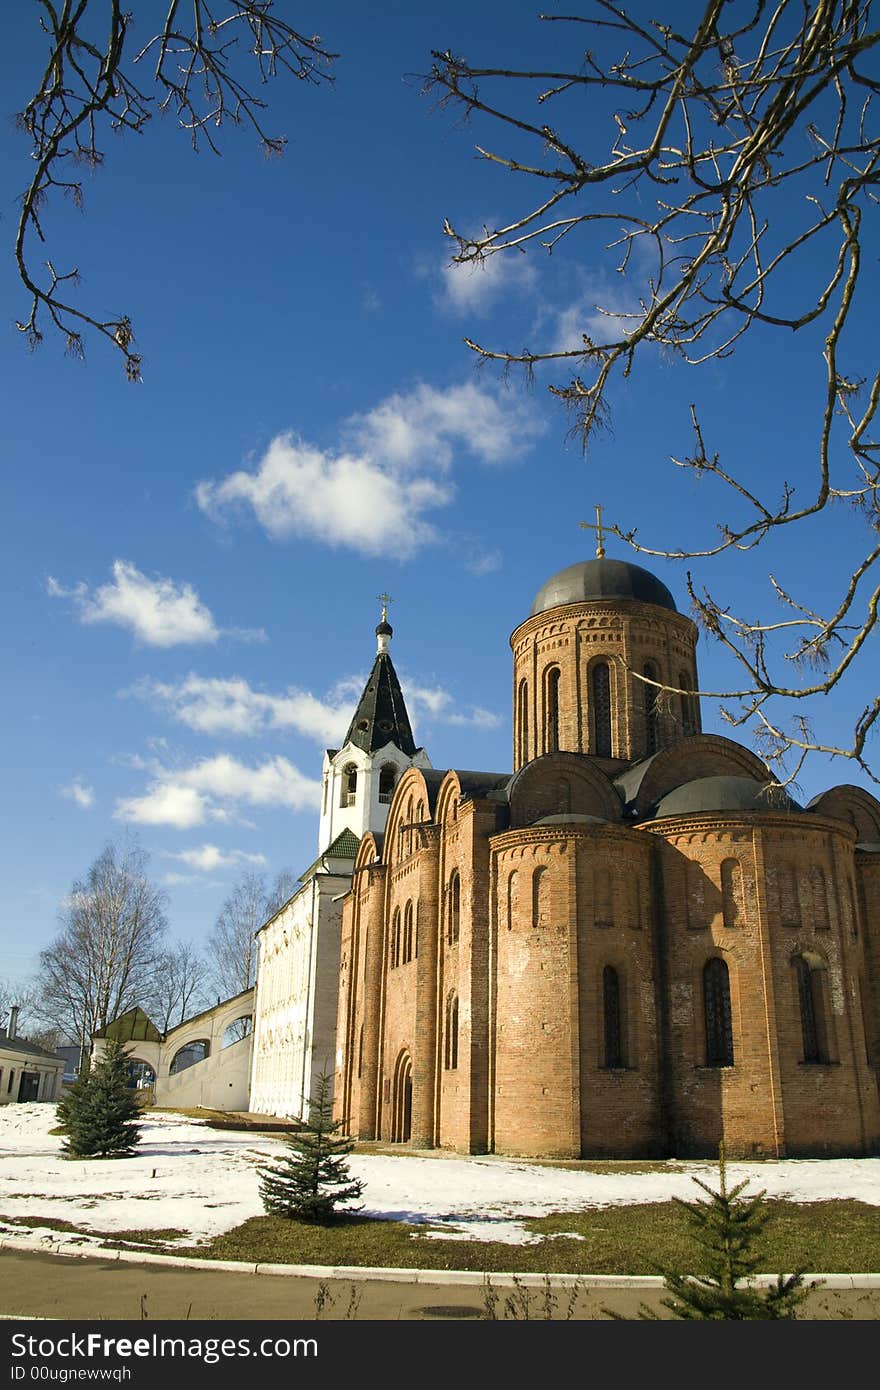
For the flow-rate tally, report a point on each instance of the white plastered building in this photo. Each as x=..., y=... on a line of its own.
x=298, y=961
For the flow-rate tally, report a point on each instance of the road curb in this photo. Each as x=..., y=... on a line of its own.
x=407, y=1276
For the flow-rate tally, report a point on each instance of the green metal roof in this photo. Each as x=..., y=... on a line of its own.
x=345, y=846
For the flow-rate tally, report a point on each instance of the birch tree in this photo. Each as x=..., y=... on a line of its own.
x=105, y=957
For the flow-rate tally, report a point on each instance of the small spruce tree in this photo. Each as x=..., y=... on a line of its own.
x=313, y=1179
x=99, y=1111
x=727, y=1228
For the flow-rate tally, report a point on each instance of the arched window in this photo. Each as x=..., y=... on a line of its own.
x=812, y=1010
x=819, y=894
x=512, y=884
x=408, y=848
x=407, y=933
x=395, y=938
x=600, y=700
x=540, y=897
x=189, y=1055
x=551, y=709
x=453, y=921
x=522, y=720
x=450, y=1046
x=611, y=1017
x=387, y=776
x=716, y=1004
x=789, y=900
x=688, y=722
x=732, y=893
x=603, y=897
x=348, y=793
x=698, y=915
x=652, y=713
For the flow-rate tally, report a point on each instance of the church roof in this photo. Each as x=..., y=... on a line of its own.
x=381, y=715
x=723, y=794
x=598, y=579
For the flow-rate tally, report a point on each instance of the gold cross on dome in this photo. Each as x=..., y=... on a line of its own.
x=597, y=527
x=384, y=599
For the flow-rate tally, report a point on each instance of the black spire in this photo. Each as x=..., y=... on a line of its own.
x=381, y=715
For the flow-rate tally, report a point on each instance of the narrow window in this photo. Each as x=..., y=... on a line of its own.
x=361, y=1051
x=11, y=1079
x=348, y=794
x=395, y=938
x=523, y=721
x=603, y=904
x=450, y=1053
x=600, y=699
x=611, y=1017
x=719, y=1027
x=540, y=898
x=652, y=719
x=732, y=893
x=789, y=902
x=387, y=775
x=820, y=898
x=551, y=709
x=698, y=916
x=408, y=933
x=688, y=723
x=453, y=926
x=812, y=1010
x=511, y=899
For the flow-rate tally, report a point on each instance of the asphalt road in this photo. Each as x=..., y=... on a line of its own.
x=38, y=1285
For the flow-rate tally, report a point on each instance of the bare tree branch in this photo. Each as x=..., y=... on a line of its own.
x=743, y=163
x=193, y=66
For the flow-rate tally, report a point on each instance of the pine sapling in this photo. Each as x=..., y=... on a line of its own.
x=313, y=1179
x=727, y=1229
x=100, y=1111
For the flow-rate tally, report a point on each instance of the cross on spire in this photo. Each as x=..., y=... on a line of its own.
x=597, y=527
x=384, y=599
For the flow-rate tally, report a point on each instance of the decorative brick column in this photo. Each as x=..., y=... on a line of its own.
x=424, y=1052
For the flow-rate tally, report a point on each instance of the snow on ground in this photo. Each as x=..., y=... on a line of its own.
x=188, y=1177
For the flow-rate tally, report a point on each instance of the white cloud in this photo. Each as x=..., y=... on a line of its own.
x=157, y=611
x=215, y=705
x=213, y=787
x=82, y=795
x=210, y=857
x=232, y=706
x=166, y=803
x=485, y=562
x=441, y=706
x=376, y=492
x=476, y=286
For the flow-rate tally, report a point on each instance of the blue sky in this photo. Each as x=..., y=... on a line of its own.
x=192, y=564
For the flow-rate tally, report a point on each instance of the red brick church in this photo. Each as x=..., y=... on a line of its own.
x=636, y=944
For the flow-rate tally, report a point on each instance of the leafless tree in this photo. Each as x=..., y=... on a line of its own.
x=232, y=949
x=179, y=988
x=104, y=959
x=26, y=998
x=284, y=887
x=194, y=64
x=728, y=175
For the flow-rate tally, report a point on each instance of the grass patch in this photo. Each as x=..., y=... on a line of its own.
x=157, y=1239
x=823, y=1237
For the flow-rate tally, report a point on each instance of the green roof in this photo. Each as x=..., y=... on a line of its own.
x=133, y=1026
x=345, y=846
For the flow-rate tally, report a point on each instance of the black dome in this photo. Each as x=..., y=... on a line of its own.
x=723, y=794
x=598, y=579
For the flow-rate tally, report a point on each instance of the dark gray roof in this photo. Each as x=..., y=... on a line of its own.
x=29, y=1049
x=598, y=579
x=723, y=794
x=381, y=715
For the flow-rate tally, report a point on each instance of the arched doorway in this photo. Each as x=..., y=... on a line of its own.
x=402, y=1100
